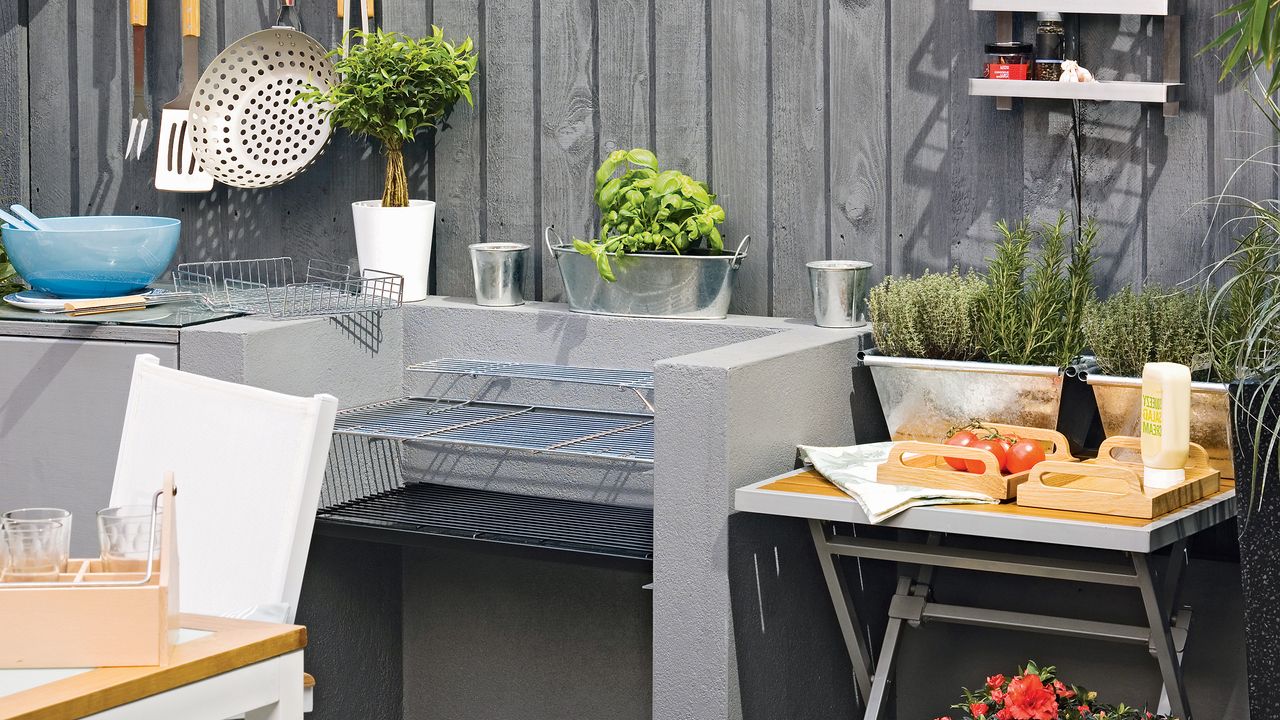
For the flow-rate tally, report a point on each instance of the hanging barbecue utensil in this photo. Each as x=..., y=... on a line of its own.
x=176, y=166
x=141, y=116
x=247, y=131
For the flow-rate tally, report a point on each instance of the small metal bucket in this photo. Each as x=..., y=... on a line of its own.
x=839, y=292
x=686, y=287
x=923, y=399
x=1120, y=404
x=498, y=271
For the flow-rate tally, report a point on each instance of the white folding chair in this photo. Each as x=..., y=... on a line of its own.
x=249, y=464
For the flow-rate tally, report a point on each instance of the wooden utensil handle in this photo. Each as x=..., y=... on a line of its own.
x=342, y=8
x=138, y=13
x=191, y=18
x=1059, y=471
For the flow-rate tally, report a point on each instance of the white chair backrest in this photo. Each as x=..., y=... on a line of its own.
x=248, y=464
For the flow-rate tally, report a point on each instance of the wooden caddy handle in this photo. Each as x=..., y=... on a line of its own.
x=1057, y=447
x=1130, y=480
x=1197, y=456
x=990, y=465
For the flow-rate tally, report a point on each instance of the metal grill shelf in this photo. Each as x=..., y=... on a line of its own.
x=594, y=433
x=467, y=514
x=636, y=379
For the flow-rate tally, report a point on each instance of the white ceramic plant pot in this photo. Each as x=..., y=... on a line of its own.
x=396, y=240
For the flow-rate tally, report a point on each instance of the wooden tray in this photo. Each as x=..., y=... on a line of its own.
x=927, y=465
x=1110, y=486
x=77, y=622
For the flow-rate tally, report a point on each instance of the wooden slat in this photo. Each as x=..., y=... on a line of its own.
x=568, y=124
x=623, y=82
x=681, y=100
x=457, y=167
x=510, y=109
x=858, y=132
x=233, y=644
x=15, y=165
x=920, y=108
x=739, y=131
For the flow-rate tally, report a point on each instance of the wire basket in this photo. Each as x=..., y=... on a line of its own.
x=269, y=286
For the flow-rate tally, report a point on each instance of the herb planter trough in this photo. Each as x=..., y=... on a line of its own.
x=923, y=399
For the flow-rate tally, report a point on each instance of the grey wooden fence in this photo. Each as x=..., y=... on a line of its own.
x=830, y=128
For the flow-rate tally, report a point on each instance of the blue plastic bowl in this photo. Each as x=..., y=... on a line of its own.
x=91, y=257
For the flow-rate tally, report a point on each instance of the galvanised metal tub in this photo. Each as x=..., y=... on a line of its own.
x=686, y=287
x=923, y=399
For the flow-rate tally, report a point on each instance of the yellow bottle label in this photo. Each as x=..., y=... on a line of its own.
x=1152, y=415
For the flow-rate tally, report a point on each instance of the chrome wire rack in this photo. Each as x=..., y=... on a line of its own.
x=270, y=286
x=632, y=379
x=564, y=431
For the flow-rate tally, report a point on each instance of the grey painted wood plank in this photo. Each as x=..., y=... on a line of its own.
x=798, y=143
x=568, y=125
x=622, y=76
x=985, y=149
x=55, y=145
x=1115, y=147
x=15, y=129
x=681, y=94
x=458, y=166
x=1047, y=139
x=858, y=132
x=739, y=149
x=511, y=131
x=921, y=62
x=1180, y=163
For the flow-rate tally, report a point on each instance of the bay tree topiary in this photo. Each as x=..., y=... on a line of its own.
x=392, y=87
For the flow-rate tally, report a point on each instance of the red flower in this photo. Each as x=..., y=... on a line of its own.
x=978, y=709
x=1083, y=709
x=995, y=681
x=942, y=718
x=1063, y=690
x=997, y=695
x=1005, y=714
x=1029, y=699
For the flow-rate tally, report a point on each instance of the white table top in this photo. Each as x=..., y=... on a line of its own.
x=994, y=521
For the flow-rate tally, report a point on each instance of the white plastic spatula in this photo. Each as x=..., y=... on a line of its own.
x=29, y=217
x=176, y=166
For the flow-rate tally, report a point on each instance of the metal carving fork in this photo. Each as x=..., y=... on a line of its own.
x=141, y=116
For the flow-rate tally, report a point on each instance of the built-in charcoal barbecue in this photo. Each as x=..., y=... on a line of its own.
x=367, y=494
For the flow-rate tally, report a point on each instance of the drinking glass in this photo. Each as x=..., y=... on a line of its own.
x=34, y=551
x=23, y=515
x=128, y=537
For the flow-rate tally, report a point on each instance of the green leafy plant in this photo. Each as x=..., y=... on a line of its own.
x=1253, y=39
x=1032, y=311
x=392, y=87
x=933, y=316
x=647, y=209
x=1158, y=324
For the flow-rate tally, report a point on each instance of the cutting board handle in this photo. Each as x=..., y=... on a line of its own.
x=1197, y=456
x=990, y=465
x=1055, y=444
x=1056, y=473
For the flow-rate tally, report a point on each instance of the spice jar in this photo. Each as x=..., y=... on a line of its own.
x=1050, y=46
x=1007, y=61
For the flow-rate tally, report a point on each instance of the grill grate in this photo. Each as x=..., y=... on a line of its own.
x=593, y=433
x=635, y=379
x=464, y=513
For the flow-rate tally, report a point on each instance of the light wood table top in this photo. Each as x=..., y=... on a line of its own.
x=209, y=646
x=805, y=493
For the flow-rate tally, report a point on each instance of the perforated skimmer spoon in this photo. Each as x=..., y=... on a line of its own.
x=246, y=130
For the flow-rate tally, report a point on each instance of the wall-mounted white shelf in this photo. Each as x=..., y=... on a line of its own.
x=1082, y=7
x=1167, y=92
x=1142, y=92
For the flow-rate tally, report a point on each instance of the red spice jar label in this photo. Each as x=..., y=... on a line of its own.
x=1002, y=71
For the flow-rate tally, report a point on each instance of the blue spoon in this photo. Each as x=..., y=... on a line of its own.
x=15, y=222
x=31, y=218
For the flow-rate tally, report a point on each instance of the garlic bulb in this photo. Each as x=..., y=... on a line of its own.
x=1072, y=72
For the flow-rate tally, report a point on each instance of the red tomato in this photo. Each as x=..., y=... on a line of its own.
x=963, y=438
x=1007, y=444
x=1024, y=455
x=978, y=467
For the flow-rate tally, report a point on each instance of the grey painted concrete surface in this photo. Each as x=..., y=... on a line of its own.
x=488, y=636
x=729, y=415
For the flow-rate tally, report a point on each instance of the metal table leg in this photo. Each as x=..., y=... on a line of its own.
x=1158, y=617
x=842, y=601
